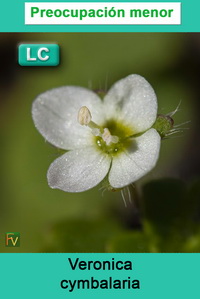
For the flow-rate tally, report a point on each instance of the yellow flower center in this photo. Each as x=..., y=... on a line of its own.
x=111, y=138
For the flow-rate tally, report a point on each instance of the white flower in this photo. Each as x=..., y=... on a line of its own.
x=110, y=138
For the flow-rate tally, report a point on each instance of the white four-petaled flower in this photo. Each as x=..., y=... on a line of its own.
x=110, y=137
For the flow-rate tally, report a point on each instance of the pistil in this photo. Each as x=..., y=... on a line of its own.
x=85, y=119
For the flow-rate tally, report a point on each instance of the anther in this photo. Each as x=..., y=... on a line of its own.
x=108, y=138
x=85, y=119
x=84, y=116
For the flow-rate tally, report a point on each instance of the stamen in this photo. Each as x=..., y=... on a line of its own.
x=85, y=119
x=108, y=138
x=114, y=139
x=96, y=132
x=84, y=116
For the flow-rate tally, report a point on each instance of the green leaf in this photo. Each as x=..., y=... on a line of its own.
x=163, y=202
x=193, y=206
x=164, y=213
x=80, y=236
x=192, y=244
x=129, y=242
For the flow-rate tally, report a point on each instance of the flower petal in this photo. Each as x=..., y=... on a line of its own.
x=55, y=116
x=134, y=163
x=79, y=170
x=132, y=101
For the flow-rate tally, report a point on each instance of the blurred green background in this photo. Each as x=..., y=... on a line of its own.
x=164, y=215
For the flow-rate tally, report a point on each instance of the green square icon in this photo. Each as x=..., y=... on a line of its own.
x=38, y=54
x=12, y=239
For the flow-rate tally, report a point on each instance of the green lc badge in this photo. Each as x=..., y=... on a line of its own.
x=39, y=54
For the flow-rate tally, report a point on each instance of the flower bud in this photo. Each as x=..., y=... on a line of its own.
x=163, y=124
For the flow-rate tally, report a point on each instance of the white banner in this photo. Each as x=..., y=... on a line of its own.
x=102, y=13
